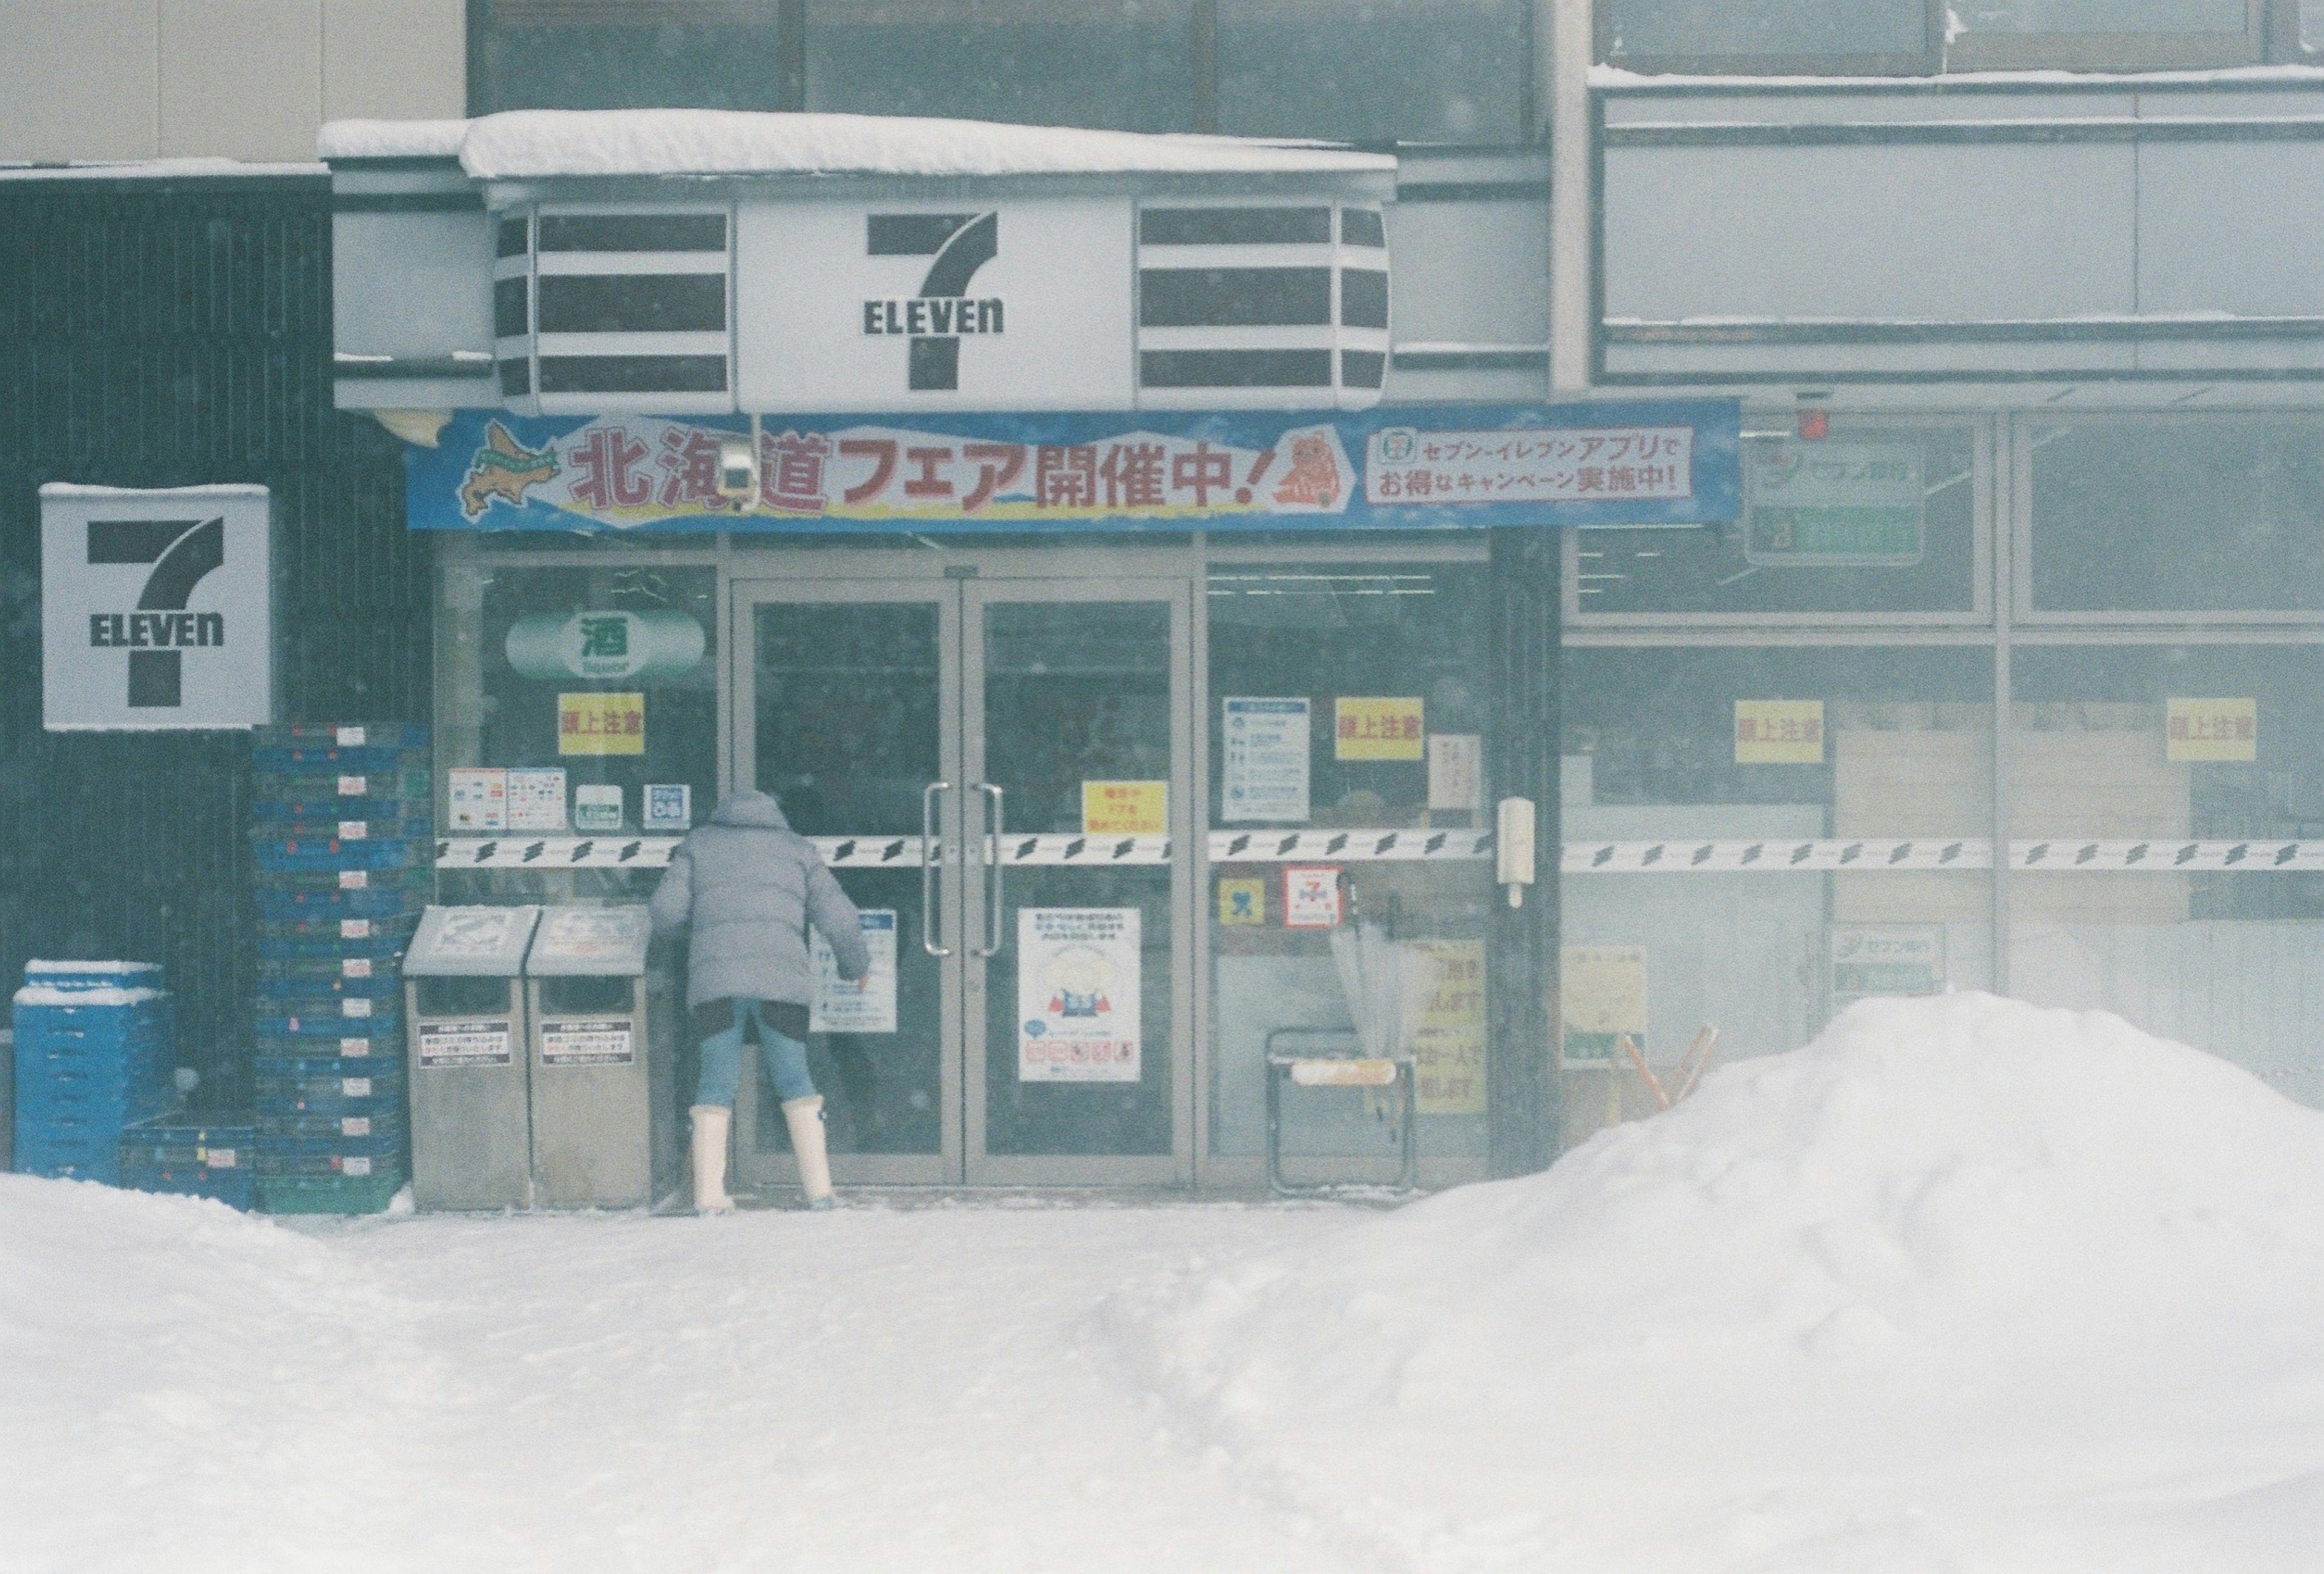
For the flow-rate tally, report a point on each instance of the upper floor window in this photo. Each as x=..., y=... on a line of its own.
x=1374, y=70
x=1123, y=65
x=1357, y=70
x=1925, y=37
x=588, y=54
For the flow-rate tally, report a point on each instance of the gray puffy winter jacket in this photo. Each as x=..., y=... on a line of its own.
x=749, y=885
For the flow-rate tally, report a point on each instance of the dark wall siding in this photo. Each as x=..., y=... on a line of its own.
x=174, y=332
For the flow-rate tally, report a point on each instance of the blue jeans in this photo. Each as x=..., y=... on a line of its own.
x=721, y=1061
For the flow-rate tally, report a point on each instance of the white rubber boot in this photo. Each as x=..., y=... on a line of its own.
x=805, y=1117
x=710, y=1123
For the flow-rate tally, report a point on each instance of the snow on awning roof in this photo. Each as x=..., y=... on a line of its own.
x=550, y=144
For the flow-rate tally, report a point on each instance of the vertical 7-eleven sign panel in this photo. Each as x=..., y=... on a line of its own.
x=156, y=608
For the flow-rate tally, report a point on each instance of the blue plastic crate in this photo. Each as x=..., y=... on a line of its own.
x=373, y=1048
x=309, y=937
x=292, y=758
x=331, y=1131
x=48, y=974
x=324, y=1025
x=285, y=855
x=287, y=1082
x=336, y=963
x=180, y=1140
x=277, y=1163
x=333, y=734
x=310, y=991
x=346, y=822
x=277, y=789
x=236, y=1188
x=381, y=901
x=69, y=1152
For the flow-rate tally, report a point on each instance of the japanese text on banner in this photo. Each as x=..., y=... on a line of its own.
x=1568, y=465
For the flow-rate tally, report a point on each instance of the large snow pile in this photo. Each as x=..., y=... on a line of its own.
x=182, y=1386
x=1964, y=1285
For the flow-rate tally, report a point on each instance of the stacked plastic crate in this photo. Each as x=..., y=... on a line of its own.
x=345, y=851
x=95, y=1047
x=192, y=1155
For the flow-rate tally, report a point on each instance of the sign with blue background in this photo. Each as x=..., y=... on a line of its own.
x=1442, y=468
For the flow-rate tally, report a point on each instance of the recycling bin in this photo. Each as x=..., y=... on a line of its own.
x=464, y=1005
x=590, y=1058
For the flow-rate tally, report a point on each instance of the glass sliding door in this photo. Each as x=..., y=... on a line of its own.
x=844, y=714
x=997, y=773
x=1077, y=737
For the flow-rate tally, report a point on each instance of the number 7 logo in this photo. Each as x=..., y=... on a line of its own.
x=181, y=552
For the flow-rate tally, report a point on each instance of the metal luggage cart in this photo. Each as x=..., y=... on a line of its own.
x=1333, y=1057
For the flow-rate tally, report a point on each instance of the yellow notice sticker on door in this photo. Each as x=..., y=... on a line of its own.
x=601, y=724
x=2211, y=730
x=1448, y=1045
x=1125, y=808
x=1377, y=727
x=1603, y=998
x=1779, y=731
x=1242, y=900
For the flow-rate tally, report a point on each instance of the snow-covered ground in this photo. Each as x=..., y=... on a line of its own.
x=1963, y=1286
x=874, y=1389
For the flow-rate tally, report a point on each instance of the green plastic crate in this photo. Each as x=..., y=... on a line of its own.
x=371, y=1195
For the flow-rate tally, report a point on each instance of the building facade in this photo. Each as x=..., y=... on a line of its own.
x=1993, y=673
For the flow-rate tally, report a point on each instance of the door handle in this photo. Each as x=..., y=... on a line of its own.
x=931, y=854
x=993, y=833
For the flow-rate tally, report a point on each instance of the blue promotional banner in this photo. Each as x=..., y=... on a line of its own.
x=1615, y=463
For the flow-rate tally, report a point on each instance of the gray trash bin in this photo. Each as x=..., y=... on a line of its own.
x=463, y=1006
x=591, y=1058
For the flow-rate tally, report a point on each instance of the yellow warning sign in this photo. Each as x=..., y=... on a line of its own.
x=2211, y=730
x=601, y=724
x=1779, y=731
x=1448, y=1048
x=1379, y=727
x=1125, y=808
x=1243, y=901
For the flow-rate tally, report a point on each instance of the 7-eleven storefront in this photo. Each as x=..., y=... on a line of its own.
x=1156, y=733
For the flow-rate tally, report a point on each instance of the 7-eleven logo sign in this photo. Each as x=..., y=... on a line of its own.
x=155, y=616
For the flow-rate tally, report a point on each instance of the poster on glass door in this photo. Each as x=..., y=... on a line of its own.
x=868, y=1004
x=1077, y=1000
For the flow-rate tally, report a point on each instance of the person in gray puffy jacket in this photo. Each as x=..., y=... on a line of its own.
x=748, y=887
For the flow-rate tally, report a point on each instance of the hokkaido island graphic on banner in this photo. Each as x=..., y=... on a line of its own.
x=1633, y=461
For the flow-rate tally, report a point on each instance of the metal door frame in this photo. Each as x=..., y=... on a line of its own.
x=1177, y=1166
x=752, y=1166
x=960, y=593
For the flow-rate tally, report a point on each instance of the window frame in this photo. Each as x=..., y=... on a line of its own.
x=2116, y=51
x=1868, y=425
x=1928, y=62
x=2271, y=31
x=2023, y=434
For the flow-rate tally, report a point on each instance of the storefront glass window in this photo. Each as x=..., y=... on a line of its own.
x=2195, y=514
x=1866, y=520
x=550, y=54
x=1122, y=64
x=2124, y=758
x=594, y=681
x=1374, y=70
x=1692, y=28
x=1348, y=699
x=2103, y=16
x=1814, y=797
